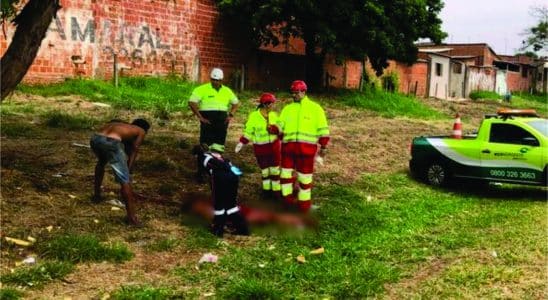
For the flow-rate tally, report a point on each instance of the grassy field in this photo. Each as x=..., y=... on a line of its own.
x=384, y=234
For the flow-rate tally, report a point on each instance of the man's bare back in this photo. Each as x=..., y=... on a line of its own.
x=121, y=131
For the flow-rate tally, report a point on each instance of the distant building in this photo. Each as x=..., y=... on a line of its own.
x=471, y=67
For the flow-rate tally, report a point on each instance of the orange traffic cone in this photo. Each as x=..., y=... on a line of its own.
x=457, y=128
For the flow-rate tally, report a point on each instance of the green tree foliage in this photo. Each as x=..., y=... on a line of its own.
x=8, y=10
x=537, y=36
x=381, y=30
x=530, y=54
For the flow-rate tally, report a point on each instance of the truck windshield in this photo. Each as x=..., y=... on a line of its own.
x=540, y=125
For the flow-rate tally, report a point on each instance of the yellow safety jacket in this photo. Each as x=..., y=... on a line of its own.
x=304, y=122
x=209, y=99
x=256, y=127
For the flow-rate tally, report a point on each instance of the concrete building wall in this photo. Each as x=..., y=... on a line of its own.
x=501, y=87
x=478, y=78
x=439, y=77
x=541, y=84
x=456, y=79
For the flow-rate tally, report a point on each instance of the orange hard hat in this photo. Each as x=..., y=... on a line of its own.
x=298, y=86
x=267, y=98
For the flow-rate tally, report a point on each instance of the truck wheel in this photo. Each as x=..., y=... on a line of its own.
x=437, y=174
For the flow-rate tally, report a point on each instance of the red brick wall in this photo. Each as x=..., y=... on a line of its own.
x=515, y=82
x=411, y=76
x=151, y=37
x=345, y=74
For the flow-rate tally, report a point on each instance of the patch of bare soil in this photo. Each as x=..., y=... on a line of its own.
x=47, y=178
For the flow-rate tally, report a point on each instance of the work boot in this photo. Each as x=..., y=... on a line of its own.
x=239, y=224
x=96, y=199
x=289, y=202
x=218, y=226
x=277, y=196
x=304, y=206
x=199, y=177
x=267, y=194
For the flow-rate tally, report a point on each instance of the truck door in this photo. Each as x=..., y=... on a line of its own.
x=511, y=154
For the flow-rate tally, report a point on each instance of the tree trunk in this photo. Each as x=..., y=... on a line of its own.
x=32, y=24
x=314, y=66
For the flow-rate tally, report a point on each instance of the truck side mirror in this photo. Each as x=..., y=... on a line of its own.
x=531, y=141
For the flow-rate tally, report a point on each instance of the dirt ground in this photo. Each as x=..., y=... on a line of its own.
x=46, y=180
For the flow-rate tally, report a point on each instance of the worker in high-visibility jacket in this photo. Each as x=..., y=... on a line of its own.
x=214, y=104
x=304, y=126
x=262, y=130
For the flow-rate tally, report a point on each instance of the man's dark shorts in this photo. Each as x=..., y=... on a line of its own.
x=112, y=151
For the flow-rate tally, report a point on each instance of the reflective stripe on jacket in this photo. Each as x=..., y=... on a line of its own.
x=209, y=98
x=304, y=122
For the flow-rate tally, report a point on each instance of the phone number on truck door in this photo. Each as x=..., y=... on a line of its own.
x=512, y=174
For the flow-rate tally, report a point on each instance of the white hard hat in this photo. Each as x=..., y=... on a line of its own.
x=217, y=74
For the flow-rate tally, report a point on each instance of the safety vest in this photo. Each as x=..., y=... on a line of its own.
x=303, y=122
x=209, y=99
x=256, y=127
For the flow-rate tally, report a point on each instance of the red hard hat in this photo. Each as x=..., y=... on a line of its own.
x=267, y=98
x=298, y=86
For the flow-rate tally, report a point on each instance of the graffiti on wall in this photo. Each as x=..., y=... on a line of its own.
x=139, y=44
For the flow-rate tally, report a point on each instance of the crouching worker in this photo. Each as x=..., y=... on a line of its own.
x=108, y=145
x=224, y=181
x=262, y=130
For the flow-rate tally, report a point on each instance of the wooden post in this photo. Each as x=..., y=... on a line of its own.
x=115, y=69
x=345, y=74
x=242, y=78
x=408, y=87
x=362, y=77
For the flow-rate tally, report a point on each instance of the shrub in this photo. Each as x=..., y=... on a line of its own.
x=71, y=122
x=371, y=81
x=490, y=95
x=390, y=82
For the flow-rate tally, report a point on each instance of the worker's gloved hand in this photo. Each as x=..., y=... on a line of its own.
x=319, y=160
x=273, y=129
x=239, y=147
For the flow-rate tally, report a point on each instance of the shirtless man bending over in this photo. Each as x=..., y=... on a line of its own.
x=108, y=145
